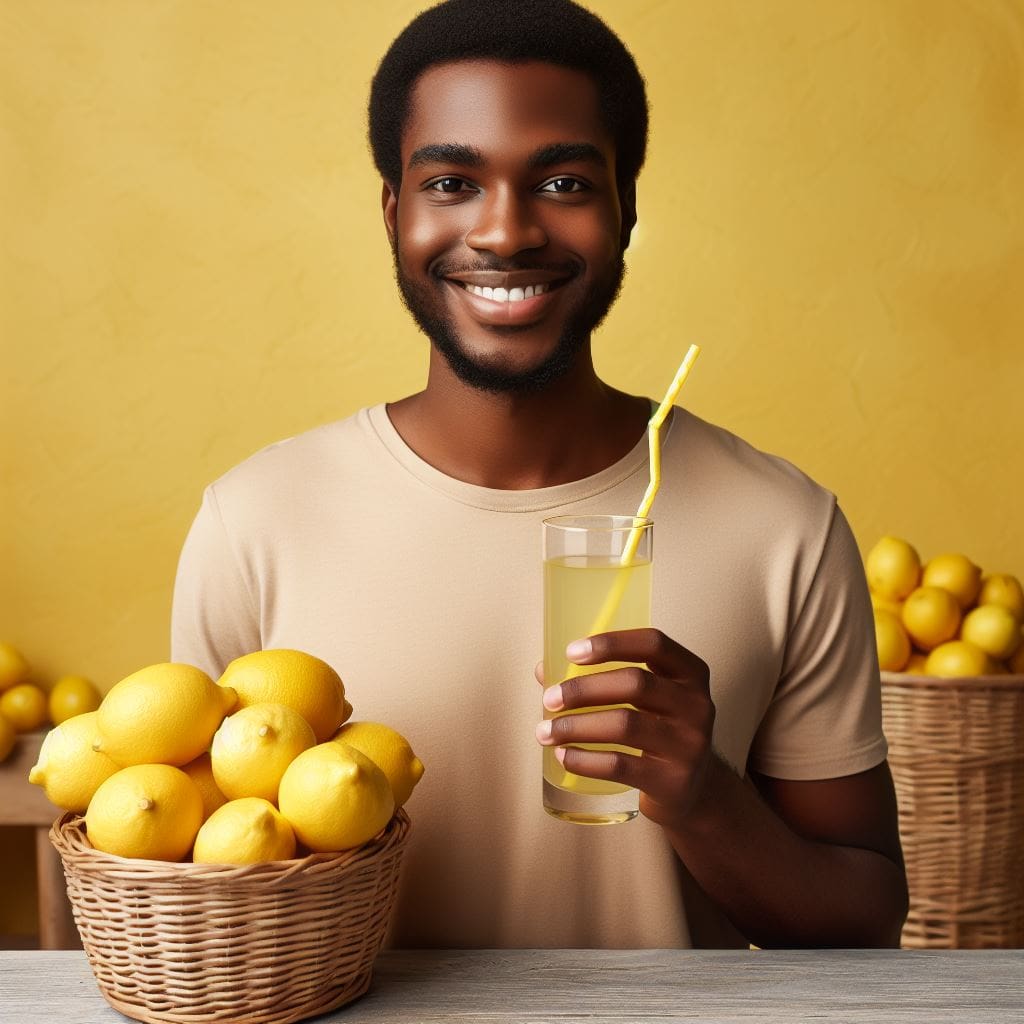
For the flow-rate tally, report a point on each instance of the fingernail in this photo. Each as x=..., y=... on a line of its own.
x=544, y=732
x=553, y=698
x=560, y=755
x=579, y=649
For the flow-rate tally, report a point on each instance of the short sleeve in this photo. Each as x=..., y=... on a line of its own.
x=214, y=616
x=825, y=716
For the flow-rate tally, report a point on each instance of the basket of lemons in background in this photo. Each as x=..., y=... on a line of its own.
x=232, y=848
x=951, y=650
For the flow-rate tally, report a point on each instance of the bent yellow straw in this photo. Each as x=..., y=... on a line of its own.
x=614, y=598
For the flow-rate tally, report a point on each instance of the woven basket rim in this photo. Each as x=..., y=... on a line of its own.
x=994, y=682
x=68, y=835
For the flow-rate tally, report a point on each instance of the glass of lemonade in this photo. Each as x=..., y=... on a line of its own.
x=587, y=590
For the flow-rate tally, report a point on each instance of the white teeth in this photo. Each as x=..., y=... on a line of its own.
x=508, y=295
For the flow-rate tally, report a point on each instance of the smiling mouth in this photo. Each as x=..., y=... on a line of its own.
x=511, y=294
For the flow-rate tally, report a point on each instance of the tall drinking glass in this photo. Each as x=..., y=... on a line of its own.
x=588, y=590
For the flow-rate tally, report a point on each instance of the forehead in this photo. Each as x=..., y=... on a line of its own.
x=496, y=106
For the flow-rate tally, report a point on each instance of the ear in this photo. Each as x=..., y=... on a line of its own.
x=389, y=204
x=627, y=202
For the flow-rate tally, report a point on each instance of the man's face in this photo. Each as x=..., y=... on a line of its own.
x=507, y=233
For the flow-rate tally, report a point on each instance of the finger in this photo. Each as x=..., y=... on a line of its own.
x=611, y=765
x=629, y=685
x=660, y=653
x=623, y=726
x=538, y=672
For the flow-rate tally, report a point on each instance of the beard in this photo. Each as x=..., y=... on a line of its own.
x=428, y=310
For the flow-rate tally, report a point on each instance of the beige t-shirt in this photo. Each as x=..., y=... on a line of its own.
x=424, y=592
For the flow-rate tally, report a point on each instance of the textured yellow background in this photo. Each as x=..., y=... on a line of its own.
x=193, y=266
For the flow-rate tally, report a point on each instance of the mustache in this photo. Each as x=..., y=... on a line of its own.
x=445, y=268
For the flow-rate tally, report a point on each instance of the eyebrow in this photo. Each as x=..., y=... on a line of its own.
x=470, y=156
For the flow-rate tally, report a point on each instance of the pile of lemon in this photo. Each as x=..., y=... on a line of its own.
x=944, y=618
x=25, y=706
x=247, y=769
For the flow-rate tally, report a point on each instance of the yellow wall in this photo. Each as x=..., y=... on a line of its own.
x=193, y=265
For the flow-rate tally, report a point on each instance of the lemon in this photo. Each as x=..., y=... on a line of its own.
x=298, y=680
x=7, y=738
x=254, y=746
x=931, y=616
x=993, y=628
x=915, y=664
x=163, y=714
x=70, y=696
x=14, y=669
x=893, y=568
x=955, y=573
x=68, y=768
x=884, y=604
x=1001, y=588
x=249, y=830
x=152, y=811
x=957, y=658
x=200, y=771
x=24, y=706
x=335, y=797
x=390, y=751
x=892, y=642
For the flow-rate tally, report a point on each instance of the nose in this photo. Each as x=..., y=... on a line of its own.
x=506, y=224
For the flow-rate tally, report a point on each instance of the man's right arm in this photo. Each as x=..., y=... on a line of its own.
x=215, y=613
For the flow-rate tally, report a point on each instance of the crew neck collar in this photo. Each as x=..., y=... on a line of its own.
x=495, y=500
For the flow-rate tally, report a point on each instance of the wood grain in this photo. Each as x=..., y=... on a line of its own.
x=621, y=986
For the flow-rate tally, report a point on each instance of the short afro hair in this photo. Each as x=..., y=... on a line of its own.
x=514, y=31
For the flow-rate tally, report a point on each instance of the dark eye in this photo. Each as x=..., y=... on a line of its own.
x=564, y=185
x=447, y=185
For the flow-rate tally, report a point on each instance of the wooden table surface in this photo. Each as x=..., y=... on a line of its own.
x=593, y=986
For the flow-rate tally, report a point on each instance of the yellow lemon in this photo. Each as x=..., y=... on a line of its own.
x=893, y=568
x=163, y=714
x=68, y=768
x=24, y=706
x=955, y=573
x=70, y=696
x=298, y=680
x=335, y=797
x=7, y=738
x=892, y=642
x=14, y=669
x=884, y=604
x=993, y=628
x=931, y=616
x=915, y=664
x=1002, y=588
x=956, y=658
x=249, y=830
x=200, y=771
x=254, y=746
x=151, y=811
x=391, y=752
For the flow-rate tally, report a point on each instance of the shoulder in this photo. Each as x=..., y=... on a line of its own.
x=721, y=469
x=301, y=458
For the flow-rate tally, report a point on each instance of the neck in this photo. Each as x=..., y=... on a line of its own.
x=574, y=428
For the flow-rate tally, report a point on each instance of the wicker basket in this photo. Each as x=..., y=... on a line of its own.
x=956, y=748
x=266, y=943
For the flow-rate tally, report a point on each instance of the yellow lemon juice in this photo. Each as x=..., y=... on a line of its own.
x=576, y=590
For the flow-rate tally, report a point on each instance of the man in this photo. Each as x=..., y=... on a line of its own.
x=402, y=546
